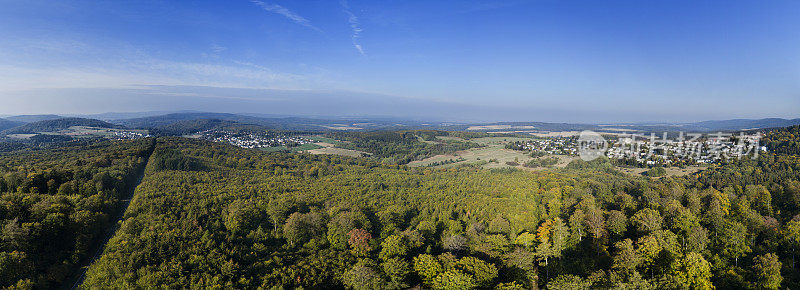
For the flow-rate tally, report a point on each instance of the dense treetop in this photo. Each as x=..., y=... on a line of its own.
x=250, y=219
x=55, y=204
x=214, y=215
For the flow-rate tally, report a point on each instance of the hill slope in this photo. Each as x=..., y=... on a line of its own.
x=193, y=126
x=8, y=124
x=33, y=118
x=55, y=125
x=742, y=124
x=276, y=123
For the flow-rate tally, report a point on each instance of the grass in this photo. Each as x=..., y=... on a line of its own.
x=337, y=151
x=302, y=147
x=494, y=150
x=324, y=140
x=499, y=140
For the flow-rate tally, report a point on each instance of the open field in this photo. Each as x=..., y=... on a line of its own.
x=498, y=156
x=342, y=127
x=302, y=147
x=499, y=127
x=337, y=151
x=557, y=134
x=493, y=151
x=449, y=138
x=321, y=139
x=82, y=132
x=487, y=140
x=21, y=136
x=498, y=140
x=325, y=145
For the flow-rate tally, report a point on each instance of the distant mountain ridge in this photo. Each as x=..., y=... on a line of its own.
x=742, y=124
x=186, y=127
x=704, y=126
x=8, y=124
x=276, y=123
x=55, y=125
x=33, y=118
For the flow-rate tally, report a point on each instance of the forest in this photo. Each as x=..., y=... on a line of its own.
x=55, y=204
x=211, y=215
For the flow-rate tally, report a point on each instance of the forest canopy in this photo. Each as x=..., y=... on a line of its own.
x=209, y=215
x=252, y=219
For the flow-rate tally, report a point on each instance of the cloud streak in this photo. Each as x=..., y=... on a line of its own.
x=355, y=26
x=294, y=17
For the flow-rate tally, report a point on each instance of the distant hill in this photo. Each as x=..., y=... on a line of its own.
x=186, y=127
x=275, y=123
x=110, y=116
x=55, y=125
x=743, y=124
x=704, y=126
x=168, y=119
x=33, y=118
x=8, y=124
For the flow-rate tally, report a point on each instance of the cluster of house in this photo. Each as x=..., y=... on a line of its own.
x=686, y=148
x=128, y=135
x=554, y=145
x=253, y=140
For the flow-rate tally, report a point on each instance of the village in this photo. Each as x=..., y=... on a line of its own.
x=689, y=149
x=252, y=140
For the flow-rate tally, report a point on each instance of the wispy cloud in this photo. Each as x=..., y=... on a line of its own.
x=275, y=8
x=354, y=25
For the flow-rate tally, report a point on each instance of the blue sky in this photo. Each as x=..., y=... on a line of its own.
x=582, y=61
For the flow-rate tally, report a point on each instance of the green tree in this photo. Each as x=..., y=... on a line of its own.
x=241, y=216
x=649, y=249
x=526, y=240
x=13, y=267
x=455, y=243
x=696, y=240
x=363, y=276
x=617, y=222
x=397, y=270
x=482, y=272
x=626, y=257
x=767, y=269
x=647, y=220
x=300, y=228
x=792, y=237
x=576, y=225
x=692, y=272
x=393, y=246
x=569, y=282
x=733, y=241
x=427, y=267
x=453, y=280
x=499, y=225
